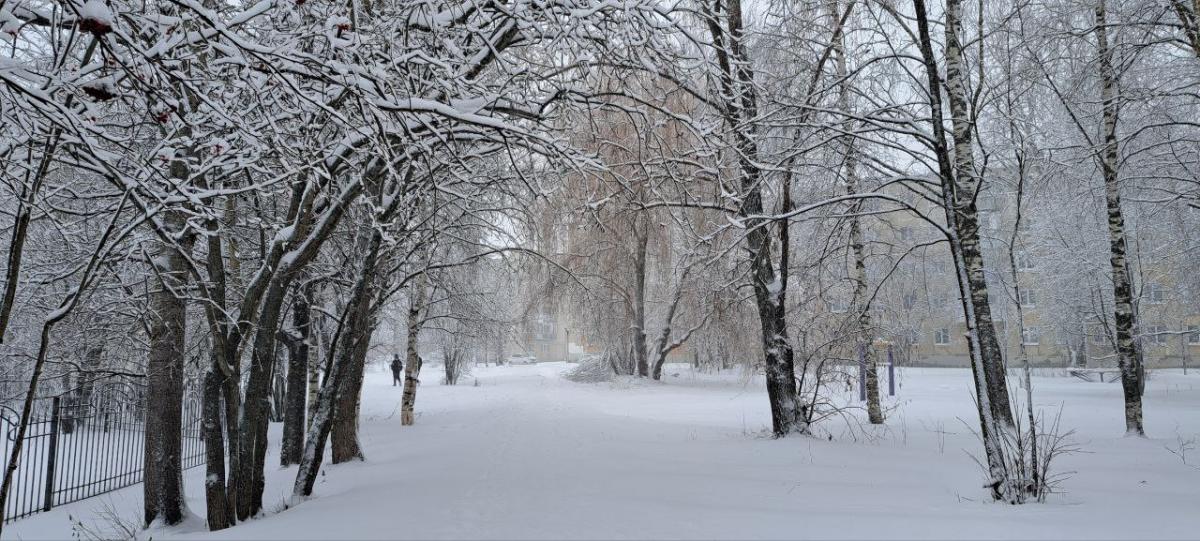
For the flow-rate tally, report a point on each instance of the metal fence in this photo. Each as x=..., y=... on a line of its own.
x=77, y=448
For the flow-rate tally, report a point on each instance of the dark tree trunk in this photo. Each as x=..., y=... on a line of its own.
x=220, y=510
x=256, y=405
x=642, y=238
x=163, y=467
x=740, y=111
x=297, y=380
x=350, y=345
x=318, y=434
x=356, y=338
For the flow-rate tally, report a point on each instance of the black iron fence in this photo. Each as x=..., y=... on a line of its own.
x=77, y=448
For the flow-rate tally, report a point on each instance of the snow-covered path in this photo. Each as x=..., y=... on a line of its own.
x=527, y=454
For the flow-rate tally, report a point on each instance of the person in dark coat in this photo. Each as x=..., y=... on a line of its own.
x=397, y=369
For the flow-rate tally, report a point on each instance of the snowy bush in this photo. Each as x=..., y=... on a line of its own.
x=592, y=369
x=1029, y=452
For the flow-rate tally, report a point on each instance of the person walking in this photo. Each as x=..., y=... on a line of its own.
x=397, y=370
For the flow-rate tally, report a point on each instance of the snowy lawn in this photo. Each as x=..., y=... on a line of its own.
x=527, y=454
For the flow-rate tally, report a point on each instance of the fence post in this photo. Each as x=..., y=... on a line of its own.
x=52, y=455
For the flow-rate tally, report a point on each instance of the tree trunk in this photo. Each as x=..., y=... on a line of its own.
x=993, y=448
x=256, y=404
x=314, y=374
x=1129, y=358
x=279, y=384
x=964, y=187
x=664, y=345
x=356, y=338
x=1189, y=20
x=352, y=349
x=864, y=331
x=318, y=433
x=297, y=380
x=162, y=458
x=351, y=344
x=220, y=510
x=642, y=239
x=412, y=366
x=740, y=111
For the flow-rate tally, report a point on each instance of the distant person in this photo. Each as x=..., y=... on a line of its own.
x=397, y=369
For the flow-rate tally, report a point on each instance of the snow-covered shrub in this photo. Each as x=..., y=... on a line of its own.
x=592, y=369
x=1029, y=453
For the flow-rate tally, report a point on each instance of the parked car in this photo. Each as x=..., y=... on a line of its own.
x=518, y=358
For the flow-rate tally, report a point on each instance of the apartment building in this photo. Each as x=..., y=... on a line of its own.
x=1064, y=293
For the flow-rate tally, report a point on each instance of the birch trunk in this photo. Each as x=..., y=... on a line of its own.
x=1129, y=358
x=864, y=330
x=964, y=186
x=989, y=429
x=412, y=365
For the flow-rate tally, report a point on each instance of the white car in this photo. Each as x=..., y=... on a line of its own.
x=521, y=359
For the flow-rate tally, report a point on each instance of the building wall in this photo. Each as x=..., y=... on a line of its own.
x=918, y=309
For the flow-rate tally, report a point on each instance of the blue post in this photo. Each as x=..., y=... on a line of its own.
x=862, y=373
x=891, y=372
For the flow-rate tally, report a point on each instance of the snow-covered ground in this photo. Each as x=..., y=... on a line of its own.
x=528, y=454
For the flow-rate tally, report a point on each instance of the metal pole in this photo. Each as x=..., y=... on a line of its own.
x=891, y=372
x=52, y=455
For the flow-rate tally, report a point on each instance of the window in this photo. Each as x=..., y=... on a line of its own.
x=1193, y=336
x=1155, y=293
x=1028, y=298
x=906, y=233
x=910, y=300
x=1030, y=336
x=838, y=306
x=941, y=337
x=1157, y=334
x=545, y=327
x=1024, y=260
x=1100, y=338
